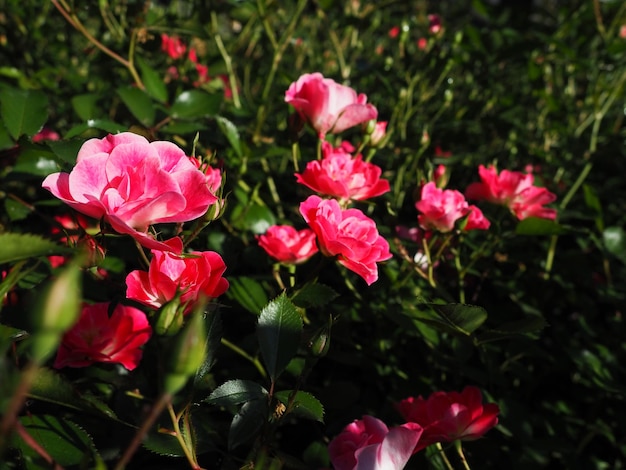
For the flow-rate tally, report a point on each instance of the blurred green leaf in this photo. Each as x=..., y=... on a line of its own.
x=102, y=124
x=593, y=202
x=305, y=405
x=64, y=441
x=249, y=293
x=17, y=246
x=35, y=160
x=16, y=210
x=24, y=112
x=66, y=150
x=254, y=217
x=314, y=295
x=460, y=318
x=529, y=325
x=247, y=422
x=195, y=104
x=86, y=106
x=213, y=324
x=153, y=81
x=5, y=139
x=236, y=392
x=615, y=242
x=138, y=103
x=538, y=226
x=231, y=133
x=279, y=330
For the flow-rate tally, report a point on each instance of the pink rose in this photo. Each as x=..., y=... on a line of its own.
x=193, y=275
x=440, y=209
x=379, y=133
x=46, y=134
x=348, y=234
x=172, y=46
x=327, y=105
x=96, y=337
x=514, y=190
x=132, y=184
x=447, y=417
x=288, y=245
x=340, y=175
x=369, y=444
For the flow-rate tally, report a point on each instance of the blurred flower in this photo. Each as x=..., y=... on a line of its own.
x=328, y=106
x=340, y=175
x=172, y=46
x=622, y=31
x=440, y=209
x=379, y=133
x=96, y=337
x=422, y=43
x=75, y=234
x=194, y=276
x=434, y=24
x=46, y=134
x=447, y=417
x=288, y=245
x=441, y=174
x=133, y=184
x=394, y=32
x=348, y=234
x=368, y=444
x=514, y=190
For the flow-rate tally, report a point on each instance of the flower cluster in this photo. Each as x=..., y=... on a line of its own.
x=345, y=234
x=441, y=418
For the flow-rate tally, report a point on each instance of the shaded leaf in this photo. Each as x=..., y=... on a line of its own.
x=278, y=331
x=86, y=106
x=538, y=226
x=102, y=124
x=138, y=103
x=529, y=325
x=34, y=160
x=235, y=392
x=16, y=210
x=153, y=81
x=615, y=242
x=457, y=318
x=247, y=422
x=194, y=104
x=23, y=111
x=304, y=405
x=213, y=324
x=248, y=292
x=231, y=133
x=314, y=295
x=17, y=246
x=66, y=150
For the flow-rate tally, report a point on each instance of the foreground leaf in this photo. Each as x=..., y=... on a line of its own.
x=305, y=405
x=17, y=246
x=247, y=422
x=236, y=392
x=23, y=111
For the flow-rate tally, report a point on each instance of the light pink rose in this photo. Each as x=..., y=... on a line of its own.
x=368, y=444
x=96, y=337
x=132, y=184
x=514, y=190
x=379, y=133
x=194, y=275
x=342, y=176
x=327, y=105
x=348, y=234
x=450, y=416
x=288, y=245
x=440, y=209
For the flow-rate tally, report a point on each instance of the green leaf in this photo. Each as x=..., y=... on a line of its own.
x=527, y=326
x=305, y=405
x=457, y=318
x=66, y=150
x=86, y=106
x=138, y=103
x=615, y=242
x=23, y=111
x=314, y=295
x=5, y=139
x=236, y=392
x=248, y=293
x=538, y=226
x=247, y=422
x=9, y=335
x=278, y=331
x=63, y=440
x=16, y=210
x=593, y=202
x=53, y=388
x=102, y=124
x=153, y=81
x=213, y=324
x=254, y=217
x=231, y=133
x=17, y=246
x=166, y=444
x=183, y=127
x=35, y=160
x=193, y=104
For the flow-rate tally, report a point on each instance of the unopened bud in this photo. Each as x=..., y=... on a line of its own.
x=320, y=342
x=169, y=318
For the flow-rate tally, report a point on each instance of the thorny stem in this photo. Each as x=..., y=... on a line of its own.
x=459, y=450
x=431, y=279
x=15, y=404
x=179, y=437
x=73, y=19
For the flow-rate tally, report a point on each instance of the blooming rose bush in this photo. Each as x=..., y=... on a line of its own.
x=96, y=337
x=132, y=184
x=287, y=245
x=347, y=234
x=369, y=444
x=514, y=190
x=328, y=106
x=193, y=276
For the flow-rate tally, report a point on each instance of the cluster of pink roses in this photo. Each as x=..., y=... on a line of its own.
x=442, y=417
x=132, y=184
x=343, y=233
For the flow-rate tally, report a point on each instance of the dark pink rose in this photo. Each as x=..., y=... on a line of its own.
x=447, y=417
x=327, y=105
x=96, y=337
x=194, y=275
x=369, y=444
x=132, y=184
x=172, y=46
x=342, y=176
x=288, y=245
x=440, y=209
x=348, y=234
x=514, y=190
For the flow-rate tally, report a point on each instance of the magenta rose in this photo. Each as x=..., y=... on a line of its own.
x=287, y=245
x=194, y=275
x=348, y=234
x=132, y=184
x=369, y=444
x=451, y=416
x=514, y=190
x=342, y=176
x=328, y=106
x=441, y=208
x=96, y=337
